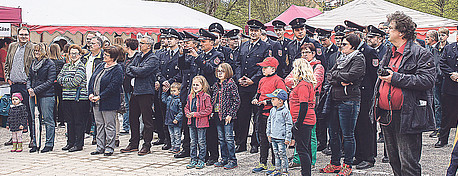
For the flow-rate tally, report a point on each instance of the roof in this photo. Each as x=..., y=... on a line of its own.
x=366, y=12
x=112, y=13
x=10, y=15
x=296, y=11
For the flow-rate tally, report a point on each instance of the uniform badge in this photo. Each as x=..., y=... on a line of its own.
x=280, y=53
x=216, y=61
x=375, y=62
x=270, y=53
x=318, y=51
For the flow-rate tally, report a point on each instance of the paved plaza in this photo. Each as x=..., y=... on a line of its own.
x=434, y=161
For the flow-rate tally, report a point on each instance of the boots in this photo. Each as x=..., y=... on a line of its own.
x=14, y=147
x=19, y=147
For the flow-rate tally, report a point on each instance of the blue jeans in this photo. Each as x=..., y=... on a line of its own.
x=226, y=140
x=437, y=104
x=343, y=118
x=198, y=138
x=125, y=117
x=46, y=109
x=281, y=161
x=175, y=135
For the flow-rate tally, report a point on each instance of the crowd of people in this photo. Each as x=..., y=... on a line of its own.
x=201, y=93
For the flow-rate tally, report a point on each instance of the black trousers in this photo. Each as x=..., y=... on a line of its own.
x=264, y=141
x=242, y=125
x=159, y=116
x=322, y=130
x=365, y=134
x=212, y=140
x=404, y=150
x=75, y=114
x=58, y=107
x=303, y=136
x=449, y=116
x=186, y=142
x=141, y=105
x=22, y=88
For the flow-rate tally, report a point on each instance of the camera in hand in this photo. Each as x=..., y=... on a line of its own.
x=186, y=51
x=384, y=71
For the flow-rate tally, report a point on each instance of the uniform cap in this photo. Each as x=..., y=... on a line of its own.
x=278, y=24
x=189, y=36
x=232, y=33
x=205, y=35
x=373, y=31
x=351, y=26
x=255, y=24
x=174, y=33
x=216, y=27
x=297, y=23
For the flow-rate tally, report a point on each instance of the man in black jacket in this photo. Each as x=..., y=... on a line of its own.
x=403, y=96
x=449, y=67
x=143, y=71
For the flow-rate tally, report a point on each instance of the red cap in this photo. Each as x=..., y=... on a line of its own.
x=269, y=62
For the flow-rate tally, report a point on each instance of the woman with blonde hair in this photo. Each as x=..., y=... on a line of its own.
x=301, y=104
x=56, y=56
x=40, y=85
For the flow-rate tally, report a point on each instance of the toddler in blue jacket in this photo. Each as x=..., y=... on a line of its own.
x=173, y=115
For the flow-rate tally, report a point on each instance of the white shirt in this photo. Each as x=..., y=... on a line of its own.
x=89, y=66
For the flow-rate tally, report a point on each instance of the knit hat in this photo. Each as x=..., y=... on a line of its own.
x=18, y=95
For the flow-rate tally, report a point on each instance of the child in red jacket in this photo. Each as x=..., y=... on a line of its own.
x=198, y=110
x=269, y=83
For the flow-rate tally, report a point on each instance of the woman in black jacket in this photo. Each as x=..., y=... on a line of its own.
x=345, y=78
x=105, y=94
x=40, y=85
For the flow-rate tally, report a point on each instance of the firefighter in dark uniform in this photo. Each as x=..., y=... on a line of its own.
x=365, y=134
x=248, y=75
x=329, y=48
x=168, y=61
x=294, y=47
x=375, y=39
x=233, y=43
x=374, y=33
x=206, y=64
x=188, y=69
x=218, y=30
x=164, y=46
x=279, y=29
x=339, y=31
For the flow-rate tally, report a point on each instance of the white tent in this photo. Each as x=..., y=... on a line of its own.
x=90, y=14
x=366, y=12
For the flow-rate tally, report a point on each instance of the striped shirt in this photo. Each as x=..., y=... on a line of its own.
x=72, y=77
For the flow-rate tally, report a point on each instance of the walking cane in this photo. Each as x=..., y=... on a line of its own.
x=37, y=121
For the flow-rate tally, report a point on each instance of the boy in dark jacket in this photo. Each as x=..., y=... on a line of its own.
x=173, y=115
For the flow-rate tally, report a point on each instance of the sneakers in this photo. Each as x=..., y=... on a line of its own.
x=221, y=163
x=200, y=165
x=259, y=168
x=278, y=173
x=230, y=165
x=271, y=170
x=191, y=165
x=331, y=169
x=345, y=171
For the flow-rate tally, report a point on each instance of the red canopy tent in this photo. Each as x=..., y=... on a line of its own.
x=10, y=15
x=294, y=12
